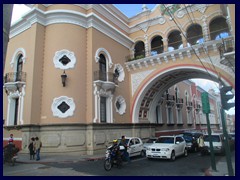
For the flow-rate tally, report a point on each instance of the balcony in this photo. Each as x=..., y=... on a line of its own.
x=197, y=107
x=170, y=100
x=189, y=105
x=14, y=81
x=105, y=80
x=179, y=103
x=227, y=52
x=153, y=59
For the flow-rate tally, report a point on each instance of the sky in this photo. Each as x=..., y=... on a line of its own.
x=129, y=10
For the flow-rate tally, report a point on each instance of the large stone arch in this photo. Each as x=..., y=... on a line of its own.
x=190, y=71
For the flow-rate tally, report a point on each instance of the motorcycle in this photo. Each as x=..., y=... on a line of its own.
x=113, y=157
x=10, y=154
x=204, y=150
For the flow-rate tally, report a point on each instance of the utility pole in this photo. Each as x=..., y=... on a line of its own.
x=225, y=105
x=206, y=110
x=7, y=16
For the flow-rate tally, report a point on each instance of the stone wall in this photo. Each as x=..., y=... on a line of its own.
x=86, y=139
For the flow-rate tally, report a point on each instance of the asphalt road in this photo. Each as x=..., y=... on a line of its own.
x=193, y=165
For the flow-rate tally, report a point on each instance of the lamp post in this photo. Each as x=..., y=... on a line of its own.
x=64, y=78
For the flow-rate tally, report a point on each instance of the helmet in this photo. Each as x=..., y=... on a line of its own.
x=115, y=140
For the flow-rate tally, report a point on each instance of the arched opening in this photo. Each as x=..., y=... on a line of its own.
x=194, y=34
x=156, y=45
x=150, y=96
x=174, y=40
x=139, y=50
x=218, y=28
x=19, y=68
x=102, y=67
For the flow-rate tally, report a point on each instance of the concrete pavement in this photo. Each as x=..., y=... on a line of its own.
x=221, y=165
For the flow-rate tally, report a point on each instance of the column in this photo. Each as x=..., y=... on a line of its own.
x=165, y=44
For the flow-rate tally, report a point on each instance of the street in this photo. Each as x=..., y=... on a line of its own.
x=193, y=165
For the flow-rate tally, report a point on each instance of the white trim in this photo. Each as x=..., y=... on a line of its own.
x=107, y=56
x=16, y=54
x=59, y=54
x=122, y=103
x=120, y=71
x=71, y=17
x=57, y=101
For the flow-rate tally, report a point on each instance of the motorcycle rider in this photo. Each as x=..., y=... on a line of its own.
x=115, y=148
x=124, y=143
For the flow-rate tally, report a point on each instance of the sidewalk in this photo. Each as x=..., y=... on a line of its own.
x=222, y=168
x=58, y=157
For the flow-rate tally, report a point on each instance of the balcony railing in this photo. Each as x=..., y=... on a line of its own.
x=179, y=103
x=227, y=46
x=170, y=100
x=154, y=59
x=105, y=76
x=15, y=77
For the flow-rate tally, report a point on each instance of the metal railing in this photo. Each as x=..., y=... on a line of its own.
x=227, y=46
x=14, y=77
x=105, y=76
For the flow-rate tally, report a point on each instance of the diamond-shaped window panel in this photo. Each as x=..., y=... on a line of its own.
x=63, y=107
x=64, y=60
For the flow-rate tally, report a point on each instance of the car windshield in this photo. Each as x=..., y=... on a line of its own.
x=166, y=140
x=150, y=140
x=215, y=138
x=188, y=138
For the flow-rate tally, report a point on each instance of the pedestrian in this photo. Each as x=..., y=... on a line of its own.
x=201, y=143
x=31, y=148
x=124, y=144
x=38, y=145
x=10, y=139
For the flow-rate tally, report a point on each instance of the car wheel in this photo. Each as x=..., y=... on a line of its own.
x=185, y=152
x=142, y=154
x=173, y=157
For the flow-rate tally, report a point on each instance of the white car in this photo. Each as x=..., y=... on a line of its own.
x=149, y=142
x=167, y=147
x=135, y=146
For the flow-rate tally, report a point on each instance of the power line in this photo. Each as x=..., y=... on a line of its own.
x=187, y=41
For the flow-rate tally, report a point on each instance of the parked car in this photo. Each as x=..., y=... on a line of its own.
x=135, y=146
x=191, y=140
x=167, y=147
x=218, y=142
x=149, y=142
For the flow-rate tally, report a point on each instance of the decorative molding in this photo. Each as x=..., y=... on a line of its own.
x=107, y=56
x=122, y=103
x=69, y=17
x=58, y=101
x=16, y=54
x=120, y=71
x=59, y=54
x=137, y=78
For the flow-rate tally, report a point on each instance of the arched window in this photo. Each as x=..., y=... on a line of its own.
x=139, y=50
x=156, y=45
x=194, y=34
x=19, y=68
x=174, y=40
x=102, y=67
x=218, y=27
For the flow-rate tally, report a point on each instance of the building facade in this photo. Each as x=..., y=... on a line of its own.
x=70, y=76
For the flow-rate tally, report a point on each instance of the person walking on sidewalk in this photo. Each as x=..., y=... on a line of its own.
x=31, y=148
x=38, y=145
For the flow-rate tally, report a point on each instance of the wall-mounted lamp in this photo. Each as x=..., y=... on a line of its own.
x=64, y=78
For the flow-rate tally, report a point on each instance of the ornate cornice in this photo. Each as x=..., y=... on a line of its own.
x=70, y=17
